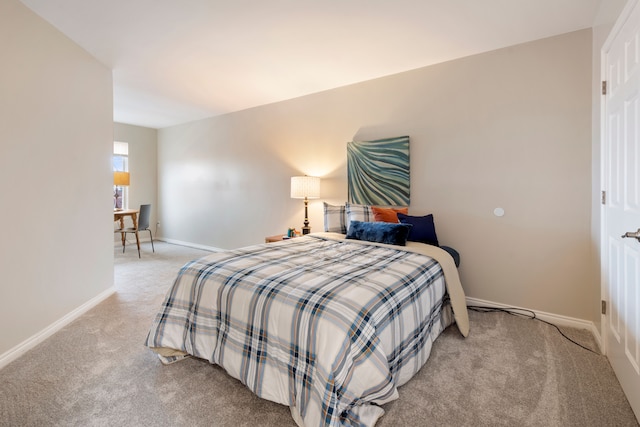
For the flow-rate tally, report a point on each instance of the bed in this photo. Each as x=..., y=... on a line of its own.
x=328, y=326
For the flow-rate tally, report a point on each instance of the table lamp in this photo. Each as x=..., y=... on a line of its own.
x=305, y=187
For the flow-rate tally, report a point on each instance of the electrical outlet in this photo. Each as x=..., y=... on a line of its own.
x=158, y=224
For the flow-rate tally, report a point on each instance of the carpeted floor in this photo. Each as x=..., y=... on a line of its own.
x=97, y=372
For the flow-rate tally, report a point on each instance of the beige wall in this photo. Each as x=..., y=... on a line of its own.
x=143, y=167
x=55, y=168
x=509, y=128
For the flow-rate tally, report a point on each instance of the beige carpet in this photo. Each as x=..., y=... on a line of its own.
x=96, y=372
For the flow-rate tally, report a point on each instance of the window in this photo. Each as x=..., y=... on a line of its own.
x=120, y=181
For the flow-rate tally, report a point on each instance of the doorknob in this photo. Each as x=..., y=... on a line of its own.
x=635, y=235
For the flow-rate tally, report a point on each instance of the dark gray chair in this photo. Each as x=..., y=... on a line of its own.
x=144, y=217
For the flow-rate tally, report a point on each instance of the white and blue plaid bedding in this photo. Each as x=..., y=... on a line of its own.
x=330, y=328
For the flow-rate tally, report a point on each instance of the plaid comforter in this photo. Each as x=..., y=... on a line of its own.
x=330, y=328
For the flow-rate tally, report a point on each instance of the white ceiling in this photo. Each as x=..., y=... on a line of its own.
x=179, y=61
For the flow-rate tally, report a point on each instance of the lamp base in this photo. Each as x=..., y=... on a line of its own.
x=117, y=198
x=306, y=229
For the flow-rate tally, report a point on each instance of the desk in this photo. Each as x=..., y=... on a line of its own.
x=119, y=216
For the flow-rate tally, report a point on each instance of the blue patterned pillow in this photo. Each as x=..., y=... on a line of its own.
x=335, y=218
x=355, y=212
x=380, y=232
x=423, y=230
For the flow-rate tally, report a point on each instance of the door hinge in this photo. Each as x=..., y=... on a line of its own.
x=604, y=87
x=603, y=198
x=604, y=307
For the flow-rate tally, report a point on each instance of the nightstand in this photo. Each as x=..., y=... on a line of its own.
x=276, y=238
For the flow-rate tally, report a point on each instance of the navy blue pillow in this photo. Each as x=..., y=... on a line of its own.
x=380, y=232
x=423, y=230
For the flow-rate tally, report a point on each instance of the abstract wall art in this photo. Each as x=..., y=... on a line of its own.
x=378, y=172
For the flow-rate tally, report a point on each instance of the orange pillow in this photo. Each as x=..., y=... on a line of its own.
x=388, y=214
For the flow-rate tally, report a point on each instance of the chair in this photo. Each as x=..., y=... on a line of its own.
x=143, y=225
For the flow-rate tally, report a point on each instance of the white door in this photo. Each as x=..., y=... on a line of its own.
x=621, y=211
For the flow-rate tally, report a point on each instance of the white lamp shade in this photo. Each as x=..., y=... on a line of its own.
x=305, y=186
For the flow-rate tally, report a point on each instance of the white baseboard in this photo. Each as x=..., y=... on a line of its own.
x=130, y=241
x=556, y=319
x=36, y=339
x=117, y=242
x=190, y=245
x=596, y=335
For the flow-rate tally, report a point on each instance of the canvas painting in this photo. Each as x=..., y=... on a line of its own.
x=378, y=172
